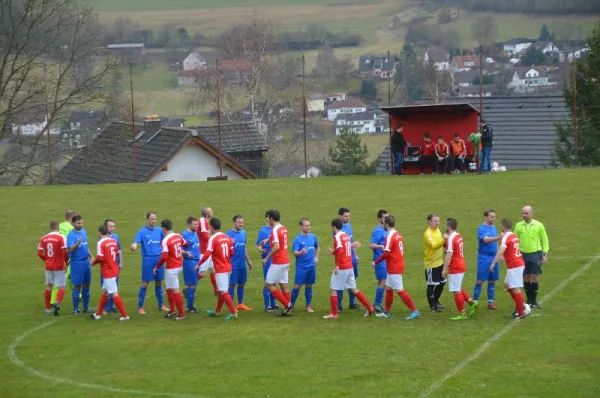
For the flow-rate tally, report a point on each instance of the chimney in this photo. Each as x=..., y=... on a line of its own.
x=152, y=124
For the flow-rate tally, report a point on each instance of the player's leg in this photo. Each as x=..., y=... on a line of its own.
x=454, y=286
x=534, y=279
x=48, y=296
x=491, y=288
x=60, y=280
x=53, y=294
x=311, y=279
x=120, y=306
x=336, y=284
x=380, y=276
x=483, y=273
x=241, y=290
x=430, y=289
x=85, y=287
x=190, y=280
x=233, y=280
x=174, y=283
x=266, y=293
x=159, y=277
x=283, y=283
x=213, y=277
x=101, y=304
x=397, y=285
x=222, y=283
x=300, y=276
x=147, y=275
x=351, y=286
x=351, y=296
x=77, y=280
x=273, y=277
x=514, y=282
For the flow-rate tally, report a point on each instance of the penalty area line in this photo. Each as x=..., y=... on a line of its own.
x=557, y=289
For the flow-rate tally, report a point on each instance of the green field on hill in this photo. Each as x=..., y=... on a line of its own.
x=146, y=5
x=554, y=353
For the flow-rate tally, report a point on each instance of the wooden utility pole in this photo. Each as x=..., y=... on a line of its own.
x=134, y=159
x=575, y=132
x=220, y=160
x=390, y=113
x=304, y=116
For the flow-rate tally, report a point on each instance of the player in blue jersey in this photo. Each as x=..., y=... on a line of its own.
x=264, y=248
x=149, y=238
x=377, y=245
x=80, y=259
x=344, y=215
x=306, y=250
x=191, y=256
x=110, y=225
x=487, y=236
x=239, y=261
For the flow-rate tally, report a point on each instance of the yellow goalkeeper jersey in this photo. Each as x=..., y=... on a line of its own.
x=434, y=248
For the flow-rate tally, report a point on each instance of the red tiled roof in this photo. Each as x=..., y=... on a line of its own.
x=236, y=65
x=462, y=59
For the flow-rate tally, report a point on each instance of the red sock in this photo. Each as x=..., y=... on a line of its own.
x=389, y=299
x=200, y=276
x=219, y=304
x=407, y=300
x=333, y=300
x=120, y=305
x=171, y=298
x=229, y=302
x=280, y=296
x=363, y=300
x=288, y=296
x=460, y=302
x=466, y=295
x=213, y=280
x=520, y=303
x=179, y=302
x=47, y=297
x=60, y=295
x=103, y=300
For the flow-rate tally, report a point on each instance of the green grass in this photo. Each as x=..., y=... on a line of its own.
x=554, y=354
x=157, y=5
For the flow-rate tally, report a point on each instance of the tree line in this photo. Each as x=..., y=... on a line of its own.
x=559, y=7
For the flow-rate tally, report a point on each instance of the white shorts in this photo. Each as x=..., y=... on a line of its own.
x=172, y=278
x=514, y=277
x=277, y=274
x=343, y=280
x=394, y=282
x=222, y=279
x=208, y=264
x=455, y=282
x=110, y=285
x=57, y=278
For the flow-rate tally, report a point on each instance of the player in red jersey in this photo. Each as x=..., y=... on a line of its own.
x=220, y=249
x=52, y=249
x=509, y=248
x=342, y=277
x=455, y=268
x=107, y=251
x=172, y=245
x=203, y=232
x=394, y=258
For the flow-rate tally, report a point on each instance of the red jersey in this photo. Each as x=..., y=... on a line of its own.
x=171, y=249
x=53, y=250
x=280, y=234
x=395, y=246
x=342, y=250
x=221, y=247
x=512, y=254
x=107, y=251
x=428, y=149
x=454, y=245
x=203, y=233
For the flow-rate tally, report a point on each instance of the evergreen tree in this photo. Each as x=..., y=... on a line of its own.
x=349, y=155
x=406, y=77
x=368, y=90
x=544, y=33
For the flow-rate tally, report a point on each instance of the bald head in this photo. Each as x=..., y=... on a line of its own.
x=206, y=212
x=527, y=213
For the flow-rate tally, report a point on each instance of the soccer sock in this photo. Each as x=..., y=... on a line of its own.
x=477, y=291
x=363, y=299
x=85, y=293
x=520, y=304
x=219, y=304
x=379, y=292
x=308, y=295
x=54, y=294
x=389, y=299
x=229, y=302
x=333, y=300
x=491, y=292
x=110, y=304
x=460, y=302
x=465, y=295
x=171, y=300
x=213, y=281
x=191, y=297
x=103, y=301
x=47, y=297
x=141, y=297
x=159, y=296
x=60, y=295
x=340, y=298
x=273, y=300
x=437, y=291
x=279, y=296
x=288, y=296
x=266, y=297
x=352, y=298
x=231, y=291
x=295, y=293
x=534, y=292
x=179, y=303
x=407, y=300
x=75, y=297
x=240, y=292
x=431, y=295
x=120, y=306
x=527, y=288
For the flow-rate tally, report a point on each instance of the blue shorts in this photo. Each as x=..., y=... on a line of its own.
x=238, y=276
x=305, y=276
x=190, y=277
x=148, y=264
x=483, y=269
x=380, y=271
x=81, y=274
x=355, y=267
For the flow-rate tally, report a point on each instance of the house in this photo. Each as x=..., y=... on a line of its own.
x=194, y=61
x=462, y=63
x=439, y=56
x=475, y=91
x=236, y=70
x=464, y=79
x=85, y=120
x=528, y=78
x=544, y=47
x=127, y=49
x=347, y=106
x=377, y=66
x=515, y=46
x=31, y=122
x=161, y=154
x=566, y=53
x=189, y=78
x=361, y=123
x=318, y=101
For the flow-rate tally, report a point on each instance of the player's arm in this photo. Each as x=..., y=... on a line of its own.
x=74, y=245
x=386, y=251
x=498, y=256
x=545, y=243
x=296, y=249
x=163, y=256
x=248, y=261
x=373, y=244
x=99, y=254
x=136, y=241
x=41, y=252
x=447, y=260
x=317, y=251
x=205, y=257
x=274, y=248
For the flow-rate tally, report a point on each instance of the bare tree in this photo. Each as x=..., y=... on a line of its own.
x=437, y=84
x=484, y=30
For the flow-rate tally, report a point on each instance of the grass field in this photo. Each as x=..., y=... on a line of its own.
x=552, y=354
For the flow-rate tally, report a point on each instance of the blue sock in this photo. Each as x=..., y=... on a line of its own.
x=308, y=295
x=340, y=294
x=75, y=297
x=295, y=293
x=273, y=300
x=159, y=296
x=491, y=292
x=110, y=304
x=191, y=296
x=476, y=292
x=266, y=297
x=231, y=291
x=141, y=297
x=240, y=292
x=379, y=296
x=85, y=295
x=352, y=300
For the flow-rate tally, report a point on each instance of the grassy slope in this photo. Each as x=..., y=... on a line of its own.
x=143, y=5
x=349, y=357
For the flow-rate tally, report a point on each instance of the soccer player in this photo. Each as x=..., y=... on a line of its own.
x=343, y=274
x=239, y=261
x=509, y=248
x=79, y=259
x=150, y=237
x=203, y=236
x=394, y=256
x=107, y=256
x=264, y=247
x=110, y=225
x=378, y=245
x=487, y=236
x=172, y=245
x=220, y=249
x=190, y=259
x=278, y=271
x=52, y=249
x=64, y=228
x=344, y=216
x=434, y=262
x=455, y=268
x=534, y=245
x=306, y=250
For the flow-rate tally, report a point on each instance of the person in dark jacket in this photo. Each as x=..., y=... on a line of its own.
x=398, y=147
x=487, y=138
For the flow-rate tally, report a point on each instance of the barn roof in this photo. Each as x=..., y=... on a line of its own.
x=405, y=111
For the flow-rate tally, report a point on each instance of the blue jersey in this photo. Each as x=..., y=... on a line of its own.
x=311, y=244
x=81, y=254
x=238, y=260
x=150, y=239
x=378, y=238
x=264, y=233
x=487, y=249
x=193, y=245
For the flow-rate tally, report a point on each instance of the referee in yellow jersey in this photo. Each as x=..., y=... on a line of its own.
x=434, y=261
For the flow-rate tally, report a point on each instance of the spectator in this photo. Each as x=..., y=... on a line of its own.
x=427, y=153
x=459, y=153
x=487, y=137
x=442, y=153
x=398, y=147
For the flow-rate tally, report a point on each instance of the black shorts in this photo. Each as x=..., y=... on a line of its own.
x=533, y=263
x=433, y=276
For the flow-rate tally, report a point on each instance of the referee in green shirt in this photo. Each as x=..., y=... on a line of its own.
x=534, y=245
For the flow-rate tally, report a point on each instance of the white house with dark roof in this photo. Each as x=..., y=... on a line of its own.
x=529, y=78
x=361, y=123
x=377, y=66
x=348, y=106
x=515, y=46
x=194, y=61
x=319, y=101
x=439, y=56
x=31, y=122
